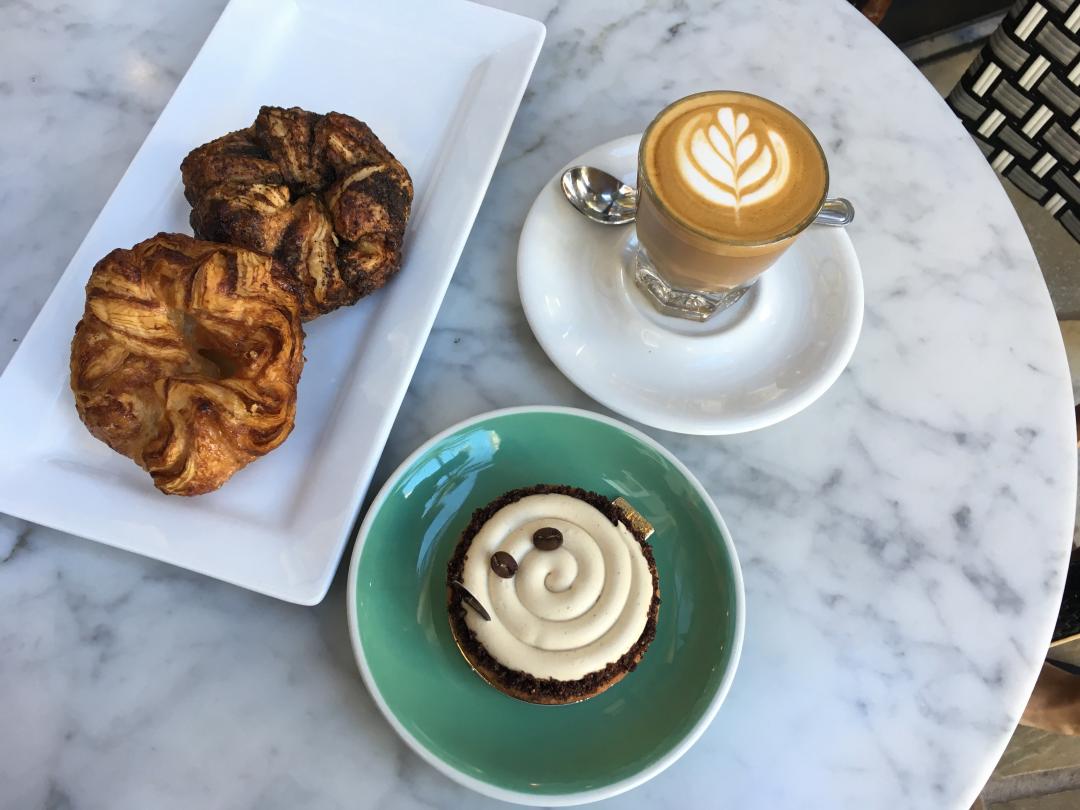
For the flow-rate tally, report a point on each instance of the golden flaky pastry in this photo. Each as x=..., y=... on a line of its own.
x=187, y=359
x=319, y=193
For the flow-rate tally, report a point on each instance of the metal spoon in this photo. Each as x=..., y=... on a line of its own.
x=603, y=198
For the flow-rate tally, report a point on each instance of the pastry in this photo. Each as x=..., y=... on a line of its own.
x=186, y=359
x=553, y=593
x=319, y=193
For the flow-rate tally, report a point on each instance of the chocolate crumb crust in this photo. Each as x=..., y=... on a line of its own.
x=521, y=684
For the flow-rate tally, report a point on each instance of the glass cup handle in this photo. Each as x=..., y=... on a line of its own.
x=835, y=211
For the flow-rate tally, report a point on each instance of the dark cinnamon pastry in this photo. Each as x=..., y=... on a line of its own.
x=319, y=193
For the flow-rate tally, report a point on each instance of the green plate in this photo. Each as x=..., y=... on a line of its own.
x=492, y=743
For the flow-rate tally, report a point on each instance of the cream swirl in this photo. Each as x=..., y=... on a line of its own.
x=566, y=612
x=732, y=160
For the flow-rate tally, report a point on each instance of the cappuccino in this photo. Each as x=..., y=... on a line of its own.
x=727, y=181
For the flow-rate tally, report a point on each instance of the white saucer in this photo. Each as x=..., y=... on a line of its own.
x=751, y=366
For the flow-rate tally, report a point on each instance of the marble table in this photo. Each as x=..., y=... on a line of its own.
x=903, y=539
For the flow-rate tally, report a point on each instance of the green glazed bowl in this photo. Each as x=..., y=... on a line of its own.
x=470, y=731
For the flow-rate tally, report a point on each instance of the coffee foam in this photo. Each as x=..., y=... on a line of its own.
x=734, y=166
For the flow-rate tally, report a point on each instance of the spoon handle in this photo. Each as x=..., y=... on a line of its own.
x=835, y=211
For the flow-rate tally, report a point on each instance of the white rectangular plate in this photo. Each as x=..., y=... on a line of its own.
x=440, y=84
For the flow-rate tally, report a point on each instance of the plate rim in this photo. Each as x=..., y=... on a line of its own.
x=486, y=788
x=716, y=426
x=516, y=31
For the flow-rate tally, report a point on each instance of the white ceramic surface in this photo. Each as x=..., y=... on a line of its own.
x=763, y=360
x=903, y=539
x=279, y=525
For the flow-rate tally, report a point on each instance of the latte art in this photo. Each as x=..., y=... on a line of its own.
x=732, y=167
x=730, y=161
x=569, y=609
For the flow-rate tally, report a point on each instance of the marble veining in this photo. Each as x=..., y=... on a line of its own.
x=903, y=539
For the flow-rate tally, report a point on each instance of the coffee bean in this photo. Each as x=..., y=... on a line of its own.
x=503, y=564
x=547, y=539
x=472, y=601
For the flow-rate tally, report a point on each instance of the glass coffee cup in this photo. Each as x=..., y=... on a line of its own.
x=726, y=183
